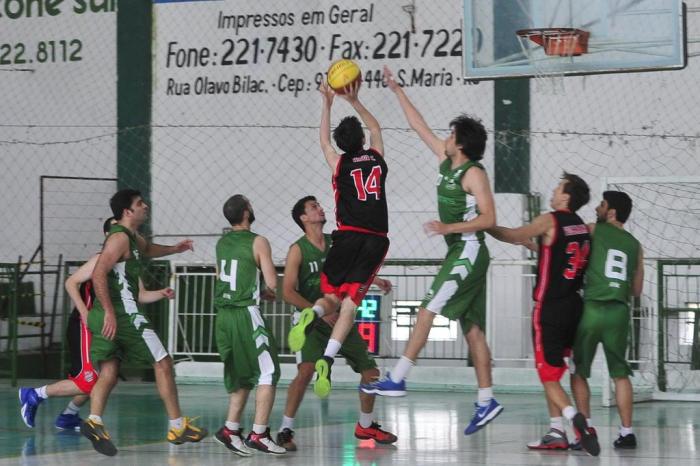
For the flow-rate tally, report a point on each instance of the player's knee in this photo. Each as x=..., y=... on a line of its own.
x=164, y=366
x=306, y=372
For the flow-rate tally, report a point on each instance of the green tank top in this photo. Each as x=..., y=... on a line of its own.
x=612, y=264
x=312, y=259
x=238, y=281
x=454, y=204
x=123, y=279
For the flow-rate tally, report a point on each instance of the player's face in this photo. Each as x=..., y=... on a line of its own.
x=314, y=212
x=601, y=212
x=451, y=145
x=560, y=200
x=139, y=210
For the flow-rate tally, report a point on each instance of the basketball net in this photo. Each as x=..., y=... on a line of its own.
x=545, y=45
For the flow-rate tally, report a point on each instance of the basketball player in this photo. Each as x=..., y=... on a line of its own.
x=615, y=270
x=119, y=328
x=466, y=208
x=82, y=376
x=246, y=346
x=360, y=242
x=564, y=245
x=301, y=288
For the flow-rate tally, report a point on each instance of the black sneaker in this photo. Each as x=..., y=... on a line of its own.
x=233, y=440
x=264, y=443
x=99, y=437
x=285, y=439
x=628, y=442
x=589, y=440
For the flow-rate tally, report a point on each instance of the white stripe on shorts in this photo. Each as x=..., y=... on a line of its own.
x=449, y=288
x=265, y=363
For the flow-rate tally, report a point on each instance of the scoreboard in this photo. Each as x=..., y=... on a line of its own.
x=368, y=318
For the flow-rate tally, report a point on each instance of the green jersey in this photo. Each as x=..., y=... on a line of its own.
x=612, y=264
x=454, y=203
x=123, y=279
x=238, y=281
x=312, y=259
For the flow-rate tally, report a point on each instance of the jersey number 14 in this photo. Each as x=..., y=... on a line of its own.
x=369, y=186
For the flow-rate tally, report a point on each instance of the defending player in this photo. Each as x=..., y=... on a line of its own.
x=360, y=242
x=82, y=375
x=564, y=246
x=466, y=208
x=615, y=271
x=301, y=287
x=246, y=346
x=120, y=330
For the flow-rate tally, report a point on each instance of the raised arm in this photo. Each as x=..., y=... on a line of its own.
x=291, y=279
x=329, y=152
x=80, y=276
x=263, y=256
x=153, y=250
x=375, y=131
x=540, y=226
x=414, y=118
x=638, y=280
x=115, y=249
x=476, y=182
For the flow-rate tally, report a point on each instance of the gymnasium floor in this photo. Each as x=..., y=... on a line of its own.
x=429, y=426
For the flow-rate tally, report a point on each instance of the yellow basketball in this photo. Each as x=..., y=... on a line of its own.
x=343, y=73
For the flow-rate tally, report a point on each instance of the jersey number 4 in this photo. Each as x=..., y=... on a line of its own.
x=369, y=186
x=231, y=277
x=578, y=257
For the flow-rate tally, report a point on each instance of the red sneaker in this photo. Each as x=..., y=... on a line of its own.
x=375, y=433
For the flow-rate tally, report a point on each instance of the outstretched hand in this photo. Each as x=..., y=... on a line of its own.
x=327, y=93
x=185, y=245
x=389, y=79
x=351, y=91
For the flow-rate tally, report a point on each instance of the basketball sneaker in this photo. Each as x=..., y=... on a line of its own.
x=628, y=442
x=483, y=415
x=576, y=446
x=589, y=440
x=375, y=433
x=29, y=402
x=555, y=439
x=188, y=433
x=233, y=440
x=285, y=439
x=96, y=433
x=264, y=443
x=322, y=385
x=68, y=422
x=297, y=335
x=385, y=387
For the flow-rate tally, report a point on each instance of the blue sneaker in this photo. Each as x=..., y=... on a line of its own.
x=29, y=401
x=483, y=415
x=385, y=387
x=68, y=422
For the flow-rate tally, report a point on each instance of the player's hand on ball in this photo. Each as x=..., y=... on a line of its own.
x=327, y=93
x=389, y=79
x=351, y=91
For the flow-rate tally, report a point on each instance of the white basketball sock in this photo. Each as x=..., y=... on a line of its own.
x=332, y=348
x=401, y=369
x=287, y=423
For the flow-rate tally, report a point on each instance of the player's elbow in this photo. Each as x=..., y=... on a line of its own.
x=489, y=219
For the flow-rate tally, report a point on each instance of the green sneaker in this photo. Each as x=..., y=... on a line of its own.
x=322, y=386
x=297, y=335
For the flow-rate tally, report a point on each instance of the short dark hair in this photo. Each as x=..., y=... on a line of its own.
x=471, y=135
x=349, y=135
x=108, y=225
x=619, y=201
x=299, y=208
x=234, y=208
x=578, y=191
x=122, y=200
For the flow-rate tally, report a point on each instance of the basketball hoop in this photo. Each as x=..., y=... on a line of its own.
x=542, y=45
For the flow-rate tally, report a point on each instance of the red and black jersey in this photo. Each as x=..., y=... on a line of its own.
x=87, y=293
x=360, y=196
x=561, y=265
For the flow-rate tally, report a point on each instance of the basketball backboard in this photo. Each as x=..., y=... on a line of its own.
x=621, y=36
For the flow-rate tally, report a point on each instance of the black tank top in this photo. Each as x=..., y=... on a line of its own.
x=359, y=186
x=561, y=265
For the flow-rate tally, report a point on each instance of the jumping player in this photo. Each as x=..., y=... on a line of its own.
x=564, y=246
x=120, y=330
x=360, y=242
x=246, y=346
x=301, y=288
x=466, y=208
x=615, y=271
x=82, y=375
